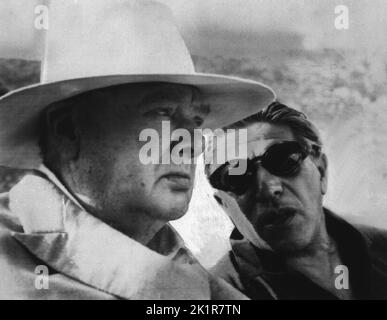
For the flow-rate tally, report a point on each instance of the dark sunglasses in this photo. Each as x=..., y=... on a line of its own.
x=281, y=159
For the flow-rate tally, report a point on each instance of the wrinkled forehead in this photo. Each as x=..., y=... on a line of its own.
x=156, y=92
x=248, y=142
x=258, y=131
x=260, y=135
x=147, y=94
x=187, y=97
x=139, y=97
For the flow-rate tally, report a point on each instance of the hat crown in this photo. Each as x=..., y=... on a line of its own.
x=89, y=38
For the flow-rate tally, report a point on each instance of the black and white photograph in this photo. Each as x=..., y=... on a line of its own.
x=185, y=150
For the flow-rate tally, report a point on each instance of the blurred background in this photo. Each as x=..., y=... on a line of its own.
x=337, y=77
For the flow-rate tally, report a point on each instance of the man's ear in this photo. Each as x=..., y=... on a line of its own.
x=62, y=128
x=322, y=166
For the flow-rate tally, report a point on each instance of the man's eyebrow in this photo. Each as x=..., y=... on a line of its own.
x=160, y=95
x=173, y=95
x=201, y=107
x=198, y=105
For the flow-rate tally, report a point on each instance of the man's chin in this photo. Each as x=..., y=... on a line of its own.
x=171, y=208
x=287, y=236
x=288, y=244
x=170, y=214
x=167, y=197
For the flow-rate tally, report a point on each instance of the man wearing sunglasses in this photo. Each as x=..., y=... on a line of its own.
x=286, y=245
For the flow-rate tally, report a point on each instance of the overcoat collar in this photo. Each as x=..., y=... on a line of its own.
x=62, y=234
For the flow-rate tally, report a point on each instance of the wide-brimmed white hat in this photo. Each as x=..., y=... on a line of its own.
x=91, y=44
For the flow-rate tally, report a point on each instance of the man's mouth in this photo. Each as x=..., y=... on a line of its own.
x=178, y=181
x=278, y=217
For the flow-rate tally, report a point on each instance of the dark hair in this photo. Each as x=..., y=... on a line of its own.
x=64, y=111
x=280, y=114
x=61, y=113
x=3, y=89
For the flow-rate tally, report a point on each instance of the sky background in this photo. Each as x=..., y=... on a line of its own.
x=251, y=28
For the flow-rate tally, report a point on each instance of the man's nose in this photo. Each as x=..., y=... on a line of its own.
x=193, y=142
x=186, y=143
x=268, y=186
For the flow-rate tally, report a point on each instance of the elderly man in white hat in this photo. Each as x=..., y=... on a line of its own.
x=92, y=222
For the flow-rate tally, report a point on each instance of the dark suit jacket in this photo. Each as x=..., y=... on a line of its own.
x=261, y=274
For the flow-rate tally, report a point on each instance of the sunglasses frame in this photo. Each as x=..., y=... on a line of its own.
x=252, y=165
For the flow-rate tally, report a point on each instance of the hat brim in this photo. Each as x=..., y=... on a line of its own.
x=230, y=99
